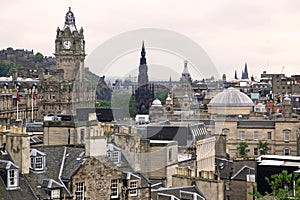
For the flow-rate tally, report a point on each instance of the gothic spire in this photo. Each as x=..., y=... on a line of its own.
x=246, y=71
x=143, y=55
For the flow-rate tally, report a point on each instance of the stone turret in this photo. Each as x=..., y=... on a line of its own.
x=286, y=107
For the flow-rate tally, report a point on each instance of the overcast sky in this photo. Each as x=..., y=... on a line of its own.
x=265, y=34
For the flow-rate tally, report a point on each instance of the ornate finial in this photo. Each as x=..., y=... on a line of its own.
x=70, y=20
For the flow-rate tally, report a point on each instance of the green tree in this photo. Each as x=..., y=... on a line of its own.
x=38, y=57
x=263, y=147
x=161, y=94
x=243, y=149
x=284, y=186
x=102, y=104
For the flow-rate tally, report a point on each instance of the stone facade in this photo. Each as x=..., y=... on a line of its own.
x=18, y=145
x=97, y=174
x=270, y=131
x=69, y=132
x=211, y=189
x=68, y=88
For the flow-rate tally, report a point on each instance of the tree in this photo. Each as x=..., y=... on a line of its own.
x=263, y=147
x=39, y=57
x=242, y=149
x=284, y=186
x=102, y=104
x=161, y=94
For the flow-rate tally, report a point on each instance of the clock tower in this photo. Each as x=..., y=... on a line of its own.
x=65, y=91
x=70, y=50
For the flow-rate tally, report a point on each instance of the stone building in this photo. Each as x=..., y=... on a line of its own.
x=26, y=90
x=232, y=117
x=68, y=88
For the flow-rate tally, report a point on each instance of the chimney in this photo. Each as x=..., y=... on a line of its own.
x=95, y=145
x=18, y=146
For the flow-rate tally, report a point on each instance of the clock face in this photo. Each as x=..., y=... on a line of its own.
x=67, y=44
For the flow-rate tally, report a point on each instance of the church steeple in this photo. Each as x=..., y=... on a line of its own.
x=143, y=55
x=70, y=21
x=235, y=75
x=246, y=71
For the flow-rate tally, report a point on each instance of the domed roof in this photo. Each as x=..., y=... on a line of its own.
x=156, y=102
x=231, y=97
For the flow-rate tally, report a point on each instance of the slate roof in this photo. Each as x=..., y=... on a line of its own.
x=23, y=193
x=178, y=192
x=54, y=157
x=184, y=133
x=236, y=170
x=126, y=168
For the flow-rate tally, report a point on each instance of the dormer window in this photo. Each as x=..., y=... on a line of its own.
x=38, y=160
x=114, y=153
x=13, y=178
x=52, y=188
x=9, y=172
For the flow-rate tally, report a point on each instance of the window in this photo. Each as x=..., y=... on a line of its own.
x=12, y=178
x=242, y=135
x=115, y=156
x=269, y=135
x=286, y=152
x=255, y=135
x=133, y=188
x=55, y=194
x=79, y=191
x=82, y=135
x=255, y=151
x=286, y=136
x=32, y=162
x=170, y=154
x=114, y=188
x=39, y=163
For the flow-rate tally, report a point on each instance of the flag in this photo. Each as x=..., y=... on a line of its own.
x=18, y=97
x=33, y=95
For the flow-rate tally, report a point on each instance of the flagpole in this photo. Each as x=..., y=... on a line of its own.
x=17, y=110
x=32, y=105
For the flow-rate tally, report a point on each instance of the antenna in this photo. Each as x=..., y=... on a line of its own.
x=282, y=69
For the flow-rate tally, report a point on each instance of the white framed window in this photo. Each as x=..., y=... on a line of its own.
x=114, y=188
x=286, y=152
x=133, y=188
x=255, y=135
x=79, y=191
x=39, y=163
x=269, y=135
x=286, y=136
x=55, y=194
x=115, y=156
x=12, y=179
x=242, y=135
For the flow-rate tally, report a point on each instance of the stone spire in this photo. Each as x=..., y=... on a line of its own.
x=246, y=71
x=235, y=75
x=143, y=55
x=70, y=21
